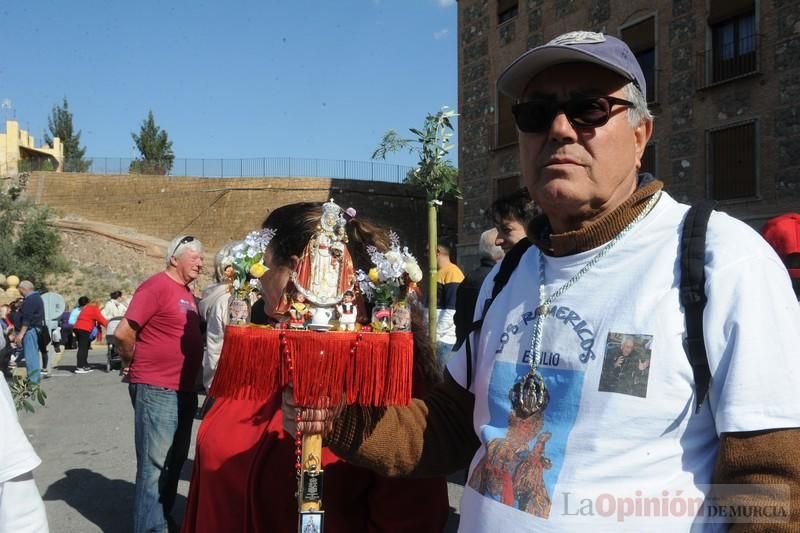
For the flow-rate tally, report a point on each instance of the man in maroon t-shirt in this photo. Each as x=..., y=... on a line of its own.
x=160, y=339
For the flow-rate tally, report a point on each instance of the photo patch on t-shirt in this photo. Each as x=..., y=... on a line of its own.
x=626, y=365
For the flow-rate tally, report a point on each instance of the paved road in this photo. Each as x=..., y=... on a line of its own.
x=85, y=439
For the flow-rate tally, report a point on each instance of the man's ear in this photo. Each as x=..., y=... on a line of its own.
x=294, y=261
x=641, y=135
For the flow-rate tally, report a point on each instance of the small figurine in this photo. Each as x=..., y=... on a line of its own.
x=347, y=312
x=299, y=311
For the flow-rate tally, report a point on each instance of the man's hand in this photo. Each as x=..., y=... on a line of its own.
x=308, y=420
x=125, y=335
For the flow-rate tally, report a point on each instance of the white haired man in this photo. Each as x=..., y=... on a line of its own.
x=160, y=339
x=31, y=322
x=467, y=294
x=549, y=448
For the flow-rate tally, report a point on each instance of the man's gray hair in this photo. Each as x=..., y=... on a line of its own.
x=487, y=247
x=25, y=284
x=639, y=112
x=180, y=244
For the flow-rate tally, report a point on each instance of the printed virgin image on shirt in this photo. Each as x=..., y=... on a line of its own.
x=626, y=365
x=523, y=456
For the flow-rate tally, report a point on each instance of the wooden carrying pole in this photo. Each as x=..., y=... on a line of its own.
x=311, y=473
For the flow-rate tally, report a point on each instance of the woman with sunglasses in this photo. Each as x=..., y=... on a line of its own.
x=244, y=477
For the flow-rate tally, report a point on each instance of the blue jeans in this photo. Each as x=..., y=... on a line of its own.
x=163, y=432
x=30, y=349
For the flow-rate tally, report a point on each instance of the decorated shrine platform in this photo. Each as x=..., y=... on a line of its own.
x=364, y=368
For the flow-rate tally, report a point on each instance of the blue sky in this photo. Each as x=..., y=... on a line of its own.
x=300, y=78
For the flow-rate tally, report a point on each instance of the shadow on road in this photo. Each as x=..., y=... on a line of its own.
x=104, y=502
x=107, y=503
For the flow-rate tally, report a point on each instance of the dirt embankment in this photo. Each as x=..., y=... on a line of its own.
x=108, y=259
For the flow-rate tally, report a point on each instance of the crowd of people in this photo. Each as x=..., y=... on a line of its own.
x=56, y=328
x=560, y=370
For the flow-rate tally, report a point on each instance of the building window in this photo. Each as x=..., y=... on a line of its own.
x=506, y=127
x=732, y=161
x=506, y=10
x=734, y=40
x=641, y=38
x=649, y=160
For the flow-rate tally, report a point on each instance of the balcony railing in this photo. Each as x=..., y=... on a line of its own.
x=729, y=61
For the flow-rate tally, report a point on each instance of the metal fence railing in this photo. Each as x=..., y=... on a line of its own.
x=241, y=168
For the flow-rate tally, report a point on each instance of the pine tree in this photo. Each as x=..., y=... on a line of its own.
x=155, y=148
x=60, y=124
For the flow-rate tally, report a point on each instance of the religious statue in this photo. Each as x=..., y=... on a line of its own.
x=326, y=272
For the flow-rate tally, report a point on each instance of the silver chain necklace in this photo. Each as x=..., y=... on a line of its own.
x=529, y=394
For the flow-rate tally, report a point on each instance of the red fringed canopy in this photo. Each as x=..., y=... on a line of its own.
x=370, y=369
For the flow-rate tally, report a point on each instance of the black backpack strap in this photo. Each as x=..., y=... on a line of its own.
x=507, y=267
x=693, y=296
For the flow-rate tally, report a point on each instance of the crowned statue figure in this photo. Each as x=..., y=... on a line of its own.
x=326, y=270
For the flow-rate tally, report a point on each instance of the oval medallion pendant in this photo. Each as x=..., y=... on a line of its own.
x=529, y=395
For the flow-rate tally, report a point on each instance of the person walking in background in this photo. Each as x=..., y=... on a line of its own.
x=448, y=277
x=511, y=215
x=67, y=338
x=213, y=309
x=53, y=307
x=467, y=293
x=783, y=234
x=86, y=328
x=115, y=306
x=31, y=320
x=160, y=339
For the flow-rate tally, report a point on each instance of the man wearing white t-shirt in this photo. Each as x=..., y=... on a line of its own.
x=21, y=507
x=579, y=410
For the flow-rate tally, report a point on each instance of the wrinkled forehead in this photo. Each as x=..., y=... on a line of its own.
x=575, y=79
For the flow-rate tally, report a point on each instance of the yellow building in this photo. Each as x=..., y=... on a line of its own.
x=18, y=151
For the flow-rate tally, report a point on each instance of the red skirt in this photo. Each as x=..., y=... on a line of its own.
x=244, y=481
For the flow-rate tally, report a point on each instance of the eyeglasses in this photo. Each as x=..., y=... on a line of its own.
x=536, y=116
x=181, y=242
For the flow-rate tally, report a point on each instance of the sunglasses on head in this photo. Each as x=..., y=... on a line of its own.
x=537, y=114
x=181, y=242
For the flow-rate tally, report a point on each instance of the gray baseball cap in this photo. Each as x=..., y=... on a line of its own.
x=575, y=46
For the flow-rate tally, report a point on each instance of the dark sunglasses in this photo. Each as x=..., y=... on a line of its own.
x=536, y=116
x=181, y=242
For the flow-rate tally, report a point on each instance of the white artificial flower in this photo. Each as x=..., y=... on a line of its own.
x=251, y=252
x=254, y=283
x=393, y=257
x=414, y=272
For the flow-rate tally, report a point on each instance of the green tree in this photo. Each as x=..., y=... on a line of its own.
x=30, y=247
x=435, y=174
x=60, y=125
x=155, y=148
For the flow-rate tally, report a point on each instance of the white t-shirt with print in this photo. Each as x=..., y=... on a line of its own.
x=21, y=507
x=619, y=446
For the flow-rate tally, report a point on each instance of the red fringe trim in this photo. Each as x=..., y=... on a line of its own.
x=370, y=369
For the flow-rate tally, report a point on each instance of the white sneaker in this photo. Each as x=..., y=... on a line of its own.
x=82, y=370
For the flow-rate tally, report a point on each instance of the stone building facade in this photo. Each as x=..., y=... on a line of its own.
x=725, y=90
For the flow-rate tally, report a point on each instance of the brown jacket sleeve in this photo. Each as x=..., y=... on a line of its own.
x=430, y=437
x=762, y=457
